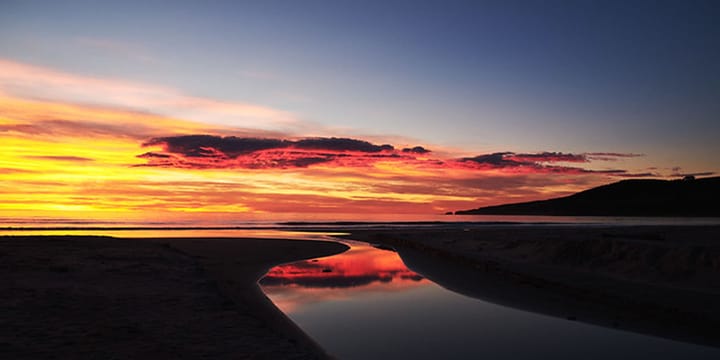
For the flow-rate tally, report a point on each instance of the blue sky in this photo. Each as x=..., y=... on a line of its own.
x=575, y=76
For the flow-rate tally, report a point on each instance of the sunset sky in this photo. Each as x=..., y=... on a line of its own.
x=130, y=109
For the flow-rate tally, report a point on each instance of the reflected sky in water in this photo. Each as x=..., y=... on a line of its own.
x=362, y=271
x=365, y=304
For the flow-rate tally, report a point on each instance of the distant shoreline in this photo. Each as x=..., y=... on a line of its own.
x=689, y=197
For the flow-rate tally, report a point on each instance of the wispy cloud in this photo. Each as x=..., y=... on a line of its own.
x=678, y=172
x=59, y=158
x=55, y=121
x=548, y=157
x=34, y=82
x=542, y=162
x=610, y=156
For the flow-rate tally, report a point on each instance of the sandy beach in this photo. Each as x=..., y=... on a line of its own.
x=683, y=257
x=87, y=297
x=97, y=297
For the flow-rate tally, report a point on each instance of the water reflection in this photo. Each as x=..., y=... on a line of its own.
x=366, y=304
x=362, y=270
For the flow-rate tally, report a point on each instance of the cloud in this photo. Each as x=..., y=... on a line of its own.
x=152, y=155
x=677, y=172
x=519, y=159
x=60, y=158
x=614, y=154
x=34, y=82
x=211, y=151
x=416, y=150
x=684, y=174
x=610, y=156
x=549, y=157
x=45, y=120
x=232, y=146
x=341, y=144
x=214, y=146
x=497, y=159
x=637, y=175
x=69, y=128
x=542, y=162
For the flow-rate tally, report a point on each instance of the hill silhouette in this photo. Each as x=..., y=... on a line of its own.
x=687, y=197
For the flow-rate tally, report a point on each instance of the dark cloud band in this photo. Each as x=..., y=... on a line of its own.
x=211, y=151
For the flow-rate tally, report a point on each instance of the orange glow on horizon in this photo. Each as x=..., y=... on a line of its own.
x=70, y=160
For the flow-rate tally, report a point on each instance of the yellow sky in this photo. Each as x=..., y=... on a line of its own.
x=71, y=160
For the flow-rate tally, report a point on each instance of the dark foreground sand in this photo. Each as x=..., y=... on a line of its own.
x=104, y=298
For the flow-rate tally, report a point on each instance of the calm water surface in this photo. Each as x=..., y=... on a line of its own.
x=366, y=304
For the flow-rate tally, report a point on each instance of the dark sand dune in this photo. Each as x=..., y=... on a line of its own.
x=105, y=298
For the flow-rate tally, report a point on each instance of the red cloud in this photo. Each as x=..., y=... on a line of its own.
x=218, y=152
x=209, y=151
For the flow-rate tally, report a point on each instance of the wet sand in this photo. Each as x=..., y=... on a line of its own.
x=658, y=280
x=97, y=297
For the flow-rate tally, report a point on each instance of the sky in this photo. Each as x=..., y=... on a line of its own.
x=266, y=107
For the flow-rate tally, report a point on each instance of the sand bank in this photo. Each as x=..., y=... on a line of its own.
x=97, y=297
x=659, y=280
